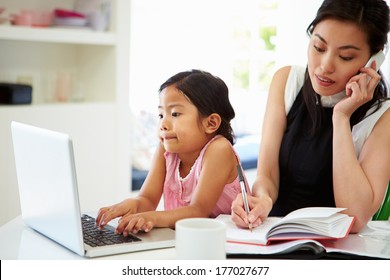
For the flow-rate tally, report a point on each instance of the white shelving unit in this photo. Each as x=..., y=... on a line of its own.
x=98, y=122
x=57, y=35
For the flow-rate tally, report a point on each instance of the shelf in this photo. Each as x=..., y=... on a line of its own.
x=55, y=106
x=73, y=60
x=57, y=35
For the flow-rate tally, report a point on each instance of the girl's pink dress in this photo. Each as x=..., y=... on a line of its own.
x=178, y=191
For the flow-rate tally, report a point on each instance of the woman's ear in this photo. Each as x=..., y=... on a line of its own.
x=212, y=123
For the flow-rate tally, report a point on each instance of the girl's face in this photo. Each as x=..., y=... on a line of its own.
x=180, y=127
x=337, y=50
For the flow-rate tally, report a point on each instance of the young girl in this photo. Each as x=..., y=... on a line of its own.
x=326, y=131
x=194, y=166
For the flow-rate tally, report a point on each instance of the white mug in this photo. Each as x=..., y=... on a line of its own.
x=200, y=239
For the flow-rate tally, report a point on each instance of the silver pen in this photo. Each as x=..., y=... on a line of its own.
x=243, y=192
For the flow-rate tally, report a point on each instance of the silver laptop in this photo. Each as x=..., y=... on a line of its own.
x=49, y=199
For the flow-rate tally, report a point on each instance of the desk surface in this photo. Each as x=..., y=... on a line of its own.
x=17, y=241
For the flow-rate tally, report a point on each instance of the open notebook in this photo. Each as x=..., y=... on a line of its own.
x=49, y=199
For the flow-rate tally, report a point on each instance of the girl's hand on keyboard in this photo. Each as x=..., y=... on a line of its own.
x=122, y=209
x=134, y=223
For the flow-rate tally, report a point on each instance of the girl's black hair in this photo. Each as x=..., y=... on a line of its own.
x=209, y=94
x=372, y=16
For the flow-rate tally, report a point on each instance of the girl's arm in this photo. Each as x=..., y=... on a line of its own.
x=265, y=188
x=152, y=189
x=148, y=197
x=219, y=168
x=360, y=183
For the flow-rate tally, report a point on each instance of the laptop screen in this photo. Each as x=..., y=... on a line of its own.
x=47, y=184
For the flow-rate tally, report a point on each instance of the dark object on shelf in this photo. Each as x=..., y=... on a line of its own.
x=15, y=93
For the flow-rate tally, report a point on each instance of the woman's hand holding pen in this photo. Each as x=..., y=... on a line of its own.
x=260, y=208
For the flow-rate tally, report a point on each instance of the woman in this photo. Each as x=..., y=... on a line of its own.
x=326, y=132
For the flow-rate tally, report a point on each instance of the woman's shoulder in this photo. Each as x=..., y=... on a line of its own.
x=287, y=76
x=279, y=79
x=284, y=79
x=290, y=72
x=283, y=73
x=377, y=120
x=382, y=116
x=288, y=81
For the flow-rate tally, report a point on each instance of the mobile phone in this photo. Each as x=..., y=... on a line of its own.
x=379, y=57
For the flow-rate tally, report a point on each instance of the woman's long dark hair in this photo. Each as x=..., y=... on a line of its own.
x=372, y=16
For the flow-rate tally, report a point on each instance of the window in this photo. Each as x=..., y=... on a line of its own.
x=241, y=41
x=234, y=40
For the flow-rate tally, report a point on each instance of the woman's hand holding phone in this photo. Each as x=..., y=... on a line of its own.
x=360, y=88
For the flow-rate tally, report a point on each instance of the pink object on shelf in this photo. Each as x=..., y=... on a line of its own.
x=68, y=14
x=33, y=18
x=22, y=20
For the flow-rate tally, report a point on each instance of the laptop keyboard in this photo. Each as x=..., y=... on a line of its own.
x=94, y=237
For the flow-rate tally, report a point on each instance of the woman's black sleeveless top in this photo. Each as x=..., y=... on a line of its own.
x=305, y=162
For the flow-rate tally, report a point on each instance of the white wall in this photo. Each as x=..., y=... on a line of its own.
x=295, y=16
x=171, y=36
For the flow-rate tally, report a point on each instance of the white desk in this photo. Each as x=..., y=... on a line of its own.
x=17, y=241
